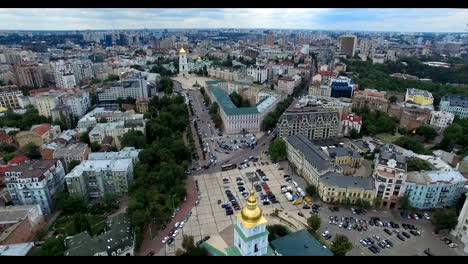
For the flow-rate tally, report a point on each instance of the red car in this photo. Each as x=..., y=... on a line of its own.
x=171, y=232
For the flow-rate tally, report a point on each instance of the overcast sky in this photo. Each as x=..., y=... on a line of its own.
x=409, y=20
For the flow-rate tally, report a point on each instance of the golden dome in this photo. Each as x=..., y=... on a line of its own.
x=182, y=51
x=251, y=213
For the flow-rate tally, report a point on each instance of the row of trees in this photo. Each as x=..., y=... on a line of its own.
x=23, y=122
x=340, y=245
x=456, y=135
x=159, y=175
x=277, y=149
x=412, y=144
x=214, y=111
x=270, y=120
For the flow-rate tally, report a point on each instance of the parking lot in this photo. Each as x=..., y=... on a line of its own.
x=415, y=245
x=210, y=218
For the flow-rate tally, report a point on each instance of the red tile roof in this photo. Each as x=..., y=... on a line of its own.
x=17, y=159
x=41, y=129
x=327, y=73
x=128, y=106
x=4, y=137
x=352, y=118
x=42, y=90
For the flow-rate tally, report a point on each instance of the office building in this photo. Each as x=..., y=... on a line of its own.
x=115, y=130
x=434, y=189
x=134, y=88
x=241, y=119
x=456, y=104
x=390, y=176
x=82, y=70
x=441, y=119
x=35, y=182
x=347, y=45
x=342, y=87
x=28, y=74
x=286, y=85
x=312, y=122
x=94, y=178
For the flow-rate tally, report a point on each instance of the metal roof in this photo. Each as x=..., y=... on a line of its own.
x=300, y=243
x=340, y=180
x=312, y=153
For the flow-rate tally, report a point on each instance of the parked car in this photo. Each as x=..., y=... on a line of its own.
x=399, y=236
x=165, y=240
x=388, y=231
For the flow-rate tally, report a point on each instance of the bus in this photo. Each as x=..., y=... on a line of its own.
x=228, y=167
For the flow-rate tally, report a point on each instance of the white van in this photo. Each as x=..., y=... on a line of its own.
x=288, y=196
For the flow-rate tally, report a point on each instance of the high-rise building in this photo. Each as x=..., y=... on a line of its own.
x=9, y=97
x=29, y=75
x=456, y=104
x=63, y=74
x=347, y=45
x=270, y=40
x=47, y=101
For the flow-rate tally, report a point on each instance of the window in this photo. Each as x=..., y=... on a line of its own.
x=255, y=248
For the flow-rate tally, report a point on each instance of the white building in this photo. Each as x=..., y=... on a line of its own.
x=83, y=70
x=115, y=130
x=63, y=74
x=441, y=119
x=47, y=101
x=349, y=122
x=125, y=153
x=134, y=88
x=79, y=101
x=461, y=230
x=92, y=118
x=259, y=73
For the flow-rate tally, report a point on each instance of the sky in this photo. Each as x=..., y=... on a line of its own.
x=399, y=20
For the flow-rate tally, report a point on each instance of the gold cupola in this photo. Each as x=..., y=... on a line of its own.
x=251, y=215
x=182, y=51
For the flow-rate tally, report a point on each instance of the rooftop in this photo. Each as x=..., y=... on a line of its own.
x=459, y=100
x=312, y=153
x=432, y=177
x=125, y=153
x=415, y=92
x=100, y=165
x=21, y=249
x=41, y=129
x=32, y=168
x=340, y=180
x=228, y=106
x=300, y=243
x=14, y=214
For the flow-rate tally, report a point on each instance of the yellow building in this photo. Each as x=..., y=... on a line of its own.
x=420, y=97
x=336, y=187
x=344, y=156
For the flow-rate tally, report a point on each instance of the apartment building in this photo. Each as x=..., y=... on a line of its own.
x=125, y=153
x=349, y=122
x=133, y=88
x=45, y=102
x=441, y=119
x=93, y=178
x=434, y=189
x=226, y=74
x=259, y=73
x=286, y=85
x=28, y=74
x=10, y=97
x=390, y=176
x=115, y=130
x=35, y=182
x=77, y=151
x=63, y=74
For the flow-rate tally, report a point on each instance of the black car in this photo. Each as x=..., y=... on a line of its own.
x=399, y=236
x=406, y=234
x=414, y=233
x=170, y=240
x=387, y=231
x=305, y=206
x=389, y=242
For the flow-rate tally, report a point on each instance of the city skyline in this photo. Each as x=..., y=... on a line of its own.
x=358, y=19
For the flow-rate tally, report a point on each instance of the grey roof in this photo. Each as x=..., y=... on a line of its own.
x=14, y=214
x=118, y=235
x=71, y=150
x=312, y=153
x=340, y=152
x=456, y=100
x=300, y=243
x=340, y=180
x=389, y=152
x=21, y=249
x=312, y=113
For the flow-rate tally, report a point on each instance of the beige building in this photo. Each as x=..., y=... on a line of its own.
x=29, y=75
x=286, y=85
x=373, y=99
x=226, y=74
x=25, y=137
x=344, y=156
x=338, y=188
x=46, y=102
x=348, y=45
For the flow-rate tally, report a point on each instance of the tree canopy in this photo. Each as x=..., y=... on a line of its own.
x=133, y=138
x=444, y=219
x=271, y=118
x=428, y=132
x=376, y=122
x=277, y=149
x=314, y=223
x=412, y=144
x=23, y=122
x=276, y=231
x=341, y=245
x=238, y=100
x=417, y=164
x=31, y=151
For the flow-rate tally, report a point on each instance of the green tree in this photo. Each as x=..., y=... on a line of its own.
x=110, y=201
x=354, y=134
x=137, y=67
x=188, y=242
x=196, y=252
x=31, y=151
x=167, y=85
x=214, y=108
x=6, y=148
x=311, y=190
x=277, y=149
x=84, y=137
x=377, y=202
x=95, y=146
x=9, y=156
x=102, y=120
x=444, y=219
x=411, y=144
x=405, y=203
x=276, y=231
x=81, y=223
x=70, y=204
x=314, y=223
x=393, y=99
x=120, y=101
x=341, y=245
x=133, y=138
x=417, y=164
x=72, y=164
x=52, y=247
x=428, y=132
x=112, y=77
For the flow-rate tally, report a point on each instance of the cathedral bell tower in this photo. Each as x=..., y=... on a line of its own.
x=183, y=65
x=250, y=234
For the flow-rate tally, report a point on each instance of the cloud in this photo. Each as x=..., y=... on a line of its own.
x=414, y=20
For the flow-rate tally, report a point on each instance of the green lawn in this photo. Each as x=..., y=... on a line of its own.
x=65, y=224
x=387, y=138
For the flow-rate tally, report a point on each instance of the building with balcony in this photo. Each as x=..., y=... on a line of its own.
x=456, y=104
x=390, y=174
x=434, y=189
x=441, y=119
x=10, y=97
x=35, y=182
